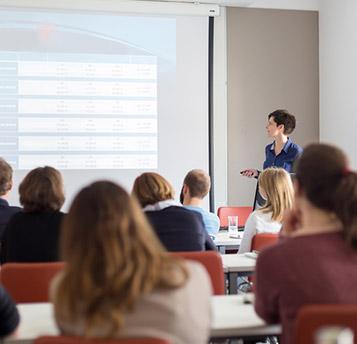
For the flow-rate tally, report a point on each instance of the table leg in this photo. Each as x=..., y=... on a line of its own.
x=222, y=249
x=233, y=286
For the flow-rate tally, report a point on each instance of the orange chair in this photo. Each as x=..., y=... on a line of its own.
x=241, y=212
x=29, y=282
x=212, y=261
x=313, y=317
x=262, y=240
x=80, y=340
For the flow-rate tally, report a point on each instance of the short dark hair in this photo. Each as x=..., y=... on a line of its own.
x=5, y=177
x=42, y=190
x=198, y=183
x=285, y=118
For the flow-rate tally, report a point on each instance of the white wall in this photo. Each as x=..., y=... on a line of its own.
x=338, y=74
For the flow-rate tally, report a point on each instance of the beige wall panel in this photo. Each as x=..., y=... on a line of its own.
x=272, y=63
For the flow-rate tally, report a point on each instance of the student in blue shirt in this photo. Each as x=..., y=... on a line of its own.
x=283, y=151
x=196, y=186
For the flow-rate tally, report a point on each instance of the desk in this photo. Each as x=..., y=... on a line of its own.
x=230, y=319
x=223, y=241
x=234, y=265
x=233, y=319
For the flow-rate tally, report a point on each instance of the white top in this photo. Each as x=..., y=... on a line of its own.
x=257, y=222
x=181, y=316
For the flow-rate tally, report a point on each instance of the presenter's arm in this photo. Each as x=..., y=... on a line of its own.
x=250, y=173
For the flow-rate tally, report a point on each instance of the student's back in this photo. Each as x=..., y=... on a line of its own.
x=119, y=281
x=6, y=213
x=9, y=316
x=179, y=229
x=310, y=269
x=169, y=314
x=32, y=237
x=316, y=261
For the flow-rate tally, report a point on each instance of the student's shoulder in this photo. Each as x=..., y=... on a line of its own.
x=17, y=215
x=185, y=212
x=255, y=215
x=278, y=252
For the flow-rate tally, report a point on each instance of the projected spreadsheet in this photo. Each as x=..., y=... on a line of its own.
x=78, y=111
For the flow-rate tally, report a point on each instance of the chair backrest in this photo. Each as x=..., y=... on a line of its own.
x=241, y=212
x=262, y=240
x=80, y=340
x=29, y=282
x=314, y=317
x=212, y=261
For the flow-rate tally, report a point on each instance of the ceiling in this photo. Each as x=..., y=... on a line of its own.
x=278, y=4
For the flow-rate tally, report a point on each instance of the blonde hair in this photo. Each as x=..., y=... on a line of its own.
x=150, y=188
x=278, y=187
x=112, y=258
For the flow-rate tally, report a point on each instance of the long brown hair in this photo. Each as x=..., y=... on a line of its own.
x=323, y=174
x=112, y=258
x=278, y=187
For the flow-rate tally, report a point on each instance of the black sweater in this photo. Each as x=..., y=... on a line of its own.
x=9, y=316
x=32, y=237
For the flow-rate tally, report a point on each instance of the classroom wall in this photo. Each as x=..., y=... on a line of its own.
x=338, y=74
x=272, y=63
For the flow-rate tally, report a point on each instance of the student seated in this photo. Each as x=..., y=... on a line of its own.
x=9, y=316
x=276, y=188
x=32, y=235
x=119, y=281
x=6, y=211
x=196, y=186
x=316, y=262
x=179, y=229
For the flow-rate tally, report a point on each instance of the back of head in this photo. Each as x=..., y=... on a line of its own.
x=198, y=183
x=285, y=118
x=112, y=256
x=323, y=175
x=277, y=185
x=5, y=177
x=150, y=188
x=42, y=190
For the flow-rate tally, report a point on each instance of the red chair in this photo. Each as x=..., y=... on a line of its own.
x=29, y=282
x=80, y=340
x=212, y=261
x=262, y=240
x=241, y=212
x=314, y=317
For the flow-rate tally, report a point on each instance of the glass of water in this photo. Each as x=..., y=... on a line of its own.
x=233, y=226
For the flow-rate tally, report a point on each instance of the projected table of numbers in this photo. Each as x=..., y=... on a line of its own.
x=78, y=111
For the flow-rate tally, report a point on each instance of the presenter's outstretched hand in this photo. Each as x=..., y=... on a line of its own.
x=251, y=173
